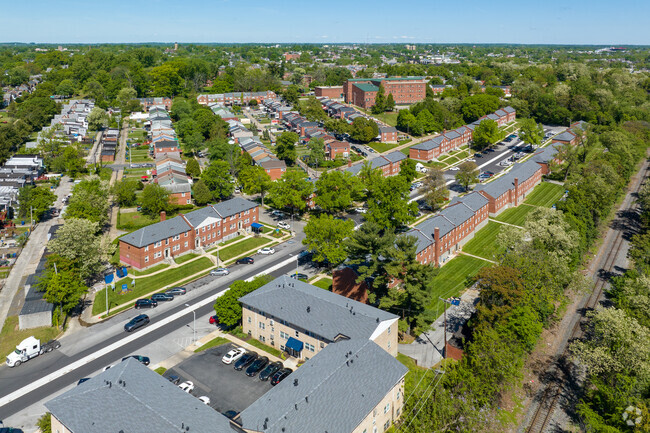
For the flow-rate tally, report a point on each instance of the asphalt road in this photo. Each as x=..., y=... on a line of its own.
x=111, y=331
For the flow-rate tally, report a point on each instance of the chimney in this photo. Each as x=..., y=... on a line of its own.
x=436, y=245
x=349, y=163
x=163, y=215
x=516, y=190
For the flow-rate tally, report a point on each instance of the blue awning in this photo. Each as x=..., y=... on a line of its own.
x=294, y=344
x=125, y=271
x=257, y=225
x=108, y=279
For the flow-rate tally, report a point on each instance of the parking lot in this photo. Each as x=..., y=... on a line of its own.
x=227, y=388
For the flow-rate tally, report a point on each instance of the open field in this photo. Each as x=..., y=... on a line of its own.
x=545, y=194
x=240, y=248
x=484, y=242
x=382, y=147
x=10, y=335
x=516, y=215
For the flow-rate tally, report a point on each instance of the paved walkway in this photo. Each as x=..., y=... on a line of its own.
x=476, y=257
x=505, y=224
x=31, y=254
x=426, y=350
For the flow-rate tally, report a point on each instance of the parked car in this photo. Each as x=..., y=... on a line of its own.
x=219, y=272
x=187, y=386
x=136, y=322
x=142, y=359
x=454, y=169
x=284, y=225
x=299, y=276
x=205, y=399
x=270, y=370
x=245, y=261
x=279, y=375
x=245, y=360
x=277, y=213
x=266, y=251
x=145, y=303
x=478, y=155
x=214, y=320
x=174, y=379
x=176, y=291
x=361, y=210
x=256, y=366
x=162, y=297
x=233, y=355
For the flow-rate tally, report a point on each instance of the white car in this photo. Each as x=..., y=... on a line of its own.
x=266, y=251
x=205, y=399
x=454, y=169
x=187, y=386
x=284, y=225
x=233, y=355
x=361, y=210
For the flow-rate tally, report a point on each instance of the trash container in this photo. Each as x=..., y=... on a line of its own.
x=22, y=223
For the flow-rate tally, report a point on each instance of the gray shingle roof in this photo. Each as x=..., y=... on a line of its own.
x=545, y=154
x=457, y=213
x=130, y=397
x=451, y=134
x=387, y=129
x=233, y=206
x=508, y=109
x=329, y=314
x=156, y=232
x=429, y=144
x=335, y=391
x=395, y=156
x=565, y=136
x=497, y=187
x=473, y=200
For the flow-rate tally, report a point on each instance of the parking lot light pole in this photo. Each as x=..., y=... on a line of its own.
x=193, y=323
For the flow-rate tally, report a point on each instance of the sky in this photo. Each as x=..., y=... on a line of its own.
x=594, y=22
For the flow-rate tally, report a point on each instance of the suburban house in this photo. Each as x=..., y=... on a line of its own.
x=164, y=101
x=235, y=98
x=573, y=134
x=186, y=232
x=389, y=164
x=405, y=90
x=388, y=134
x=335, y=148
x=302, y=319
x=166, y=146
x=263, y=157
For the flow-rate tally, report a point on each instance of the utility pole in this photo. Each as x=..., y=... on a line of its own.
x=193, y=324
x=31, y=217
x=451, y=301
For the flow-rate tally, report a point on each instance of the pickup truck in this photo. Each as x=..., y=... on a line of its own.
x=30, y=348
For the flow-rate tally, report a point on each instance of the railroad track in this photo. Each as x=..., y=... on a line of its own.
x=553, y=391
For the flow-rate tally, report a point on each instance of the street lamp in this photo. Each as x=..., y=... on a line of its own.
x=193, y=323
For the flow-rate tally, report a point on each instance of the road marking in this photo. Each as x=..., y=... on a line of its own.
x=124, y=341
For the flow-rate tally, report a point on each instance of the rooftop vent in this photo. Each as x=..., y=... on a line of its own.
x=295, y=382
x=308, y=308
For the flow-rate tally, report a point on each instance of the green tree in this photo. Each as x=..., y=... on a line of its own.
x=405, y=121
x=124, y=192
x=407, y=170
x=380, y=101
x=34, y=201
x=435, y=188
x=44, y=423
x=390, y=103
x=165, y=80
x=476, y=106
x=201, y=193
x=89, y=201
x=286, y=147
x=368, y=248
x=255, y=180
x=65, y=289
x=312, y=109
x=66, y=88
x=324, y=236
x=218, y=179
x=486, y=134
x=531, y=132
x=364, y=130
x=292, y=94
x=79, y=241
x=291, y=190
x=388, y=202
x=155, y=199
x=467, y=175
x=316, y=148
x=228, y=308
x=124, y=96
x=192, y=168
x=337, y=190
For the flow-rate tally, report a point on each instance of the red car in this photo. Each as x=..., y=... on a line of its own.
x=214, y=320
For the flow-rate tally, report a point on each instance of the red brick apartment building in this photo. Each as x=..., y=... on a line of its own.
x=388, y=134
x=405, y=90
x=332, y=92
x=335, y=148
x=179, y=235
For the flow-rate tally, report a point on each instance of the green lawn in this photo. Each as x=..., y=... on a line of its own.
x=389, y=118
x=218, y=341
x=382, y=147
x=545, y=194
x=11, y=336
x=414, y=375
x=324, y=283
x=140, y=155
x=134, y=220
x=484, y=242
x=240, y=248
x=160, y=370
x=454, y=277
x=148, y=284
x=185, y=258
x=516, y=215
x=273, y=351
x=151, y=270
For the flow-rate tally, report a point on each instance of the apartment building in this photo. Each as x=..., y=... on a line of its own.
x=511, y=189
x=179, y=235
x=389, y=164
x=235, y=98
x=405, y=90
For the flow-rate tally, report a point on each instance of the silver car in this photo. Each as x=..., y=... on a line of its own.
x=219, y=272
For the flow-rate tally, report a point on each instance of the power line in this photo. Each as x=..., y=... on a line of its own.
x=423, y=402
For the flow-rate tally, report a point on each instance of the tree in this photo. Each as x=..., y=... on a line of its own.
x=192, y=168
x=312, y=109
x=467, y=175
x=435, y=188
x=337, y=190
x=98, y=118
x=531, y=132
x=380, y=101
x=286, y=147
x=390, y=103
x=124, y=96
x=255, y=180
x=291, y=190
x=388, y=201
x=228, y=308
x=155, y=199
x=65, y=289
x=292, y=94
x=89, y=200
x=79, y=241
x=124, y=192
x=405, y=121
x=44, y=423
x=34, y=201
x=324, y=236
x=201, y=193
x=316, y=148
x=364, y=130
x=66, y=88
x=367, y=247
x=218, y=179
x=486, y=134
x=475, y=106
x=407, y=170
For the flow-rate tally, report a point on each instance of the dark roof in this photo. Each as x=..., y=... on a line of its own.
x=130, y=397
x=387, y=129
x=156, y=232
x=316, y=310
x=429, y=144
x=332, y=392
x=565, y=136
x=395, y=156
x=34, y=302
x=233, y=206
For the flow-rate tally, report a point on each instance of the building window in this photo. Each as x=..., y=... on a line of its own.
x=249, y=319
x=387, y=425
x=146, y=259
x=261, y=325
x=389, y=344
x=297, y=334
x=282, y=347
x=387, y=407
x=146, y=248
x=389, y=330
